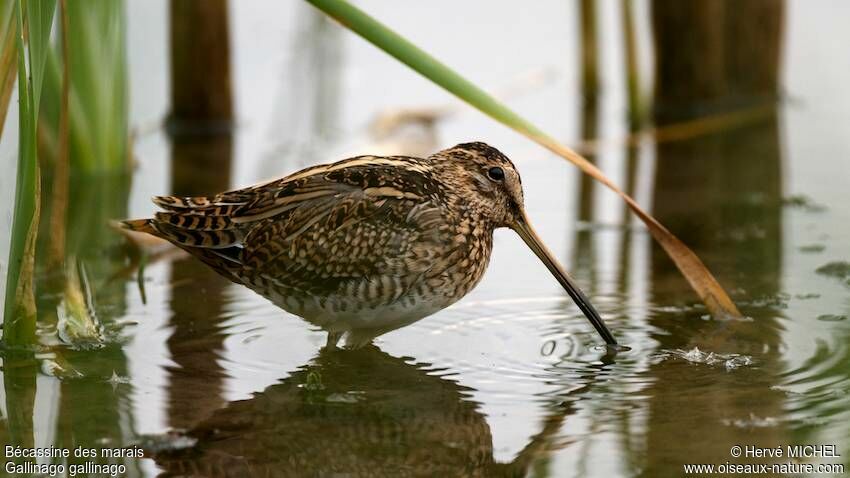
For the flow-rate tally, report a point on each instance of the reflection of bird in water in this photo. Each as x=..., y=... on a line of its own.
x=365, y=245
x=350, y=413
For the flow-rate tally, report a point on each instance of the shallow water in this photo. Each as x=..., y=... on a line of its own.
x=511, y=381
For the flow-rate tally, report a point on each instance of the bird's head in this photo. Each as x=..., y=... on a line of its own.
x=488, y=187
x=486, y=181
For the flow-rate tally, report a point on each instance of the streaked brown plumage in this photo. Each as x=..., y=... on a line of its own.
x=364, y=245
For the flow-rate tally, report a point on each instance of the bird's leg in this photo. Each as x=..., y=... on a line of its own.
x=333, y=339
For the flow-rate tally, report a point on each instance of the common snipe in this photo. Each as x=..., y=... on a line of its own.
x=364, y=245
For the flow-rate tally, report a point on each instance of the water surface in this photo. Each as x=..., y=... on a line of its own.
x=510, y=381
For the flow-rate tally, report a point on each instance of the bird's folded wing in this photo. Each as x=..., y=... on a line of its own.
x=351, y=236
x=316, y=227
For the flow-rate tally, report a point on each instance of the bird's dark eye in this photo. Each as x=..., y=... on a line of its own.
x=496, y=173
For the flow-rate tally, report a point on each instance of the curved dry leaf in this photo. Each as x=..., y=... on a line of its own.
x=697, y=274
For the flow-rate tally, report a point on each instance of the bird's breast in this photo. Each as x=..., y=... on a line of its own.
x=396, y=297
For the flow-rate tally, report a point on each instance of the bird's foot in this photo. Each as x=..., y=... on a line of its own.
x=333, y=340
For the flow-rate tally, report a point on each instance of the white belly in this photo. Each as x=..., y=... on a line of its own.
x=342, y=314
x=364, y=309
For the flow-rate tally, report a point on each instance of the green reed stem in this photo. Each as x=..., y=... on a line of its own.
x=98, y=103
x=19, y=313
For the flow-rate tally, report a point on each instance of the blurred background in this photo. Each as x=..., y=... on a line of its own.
x=727, y=120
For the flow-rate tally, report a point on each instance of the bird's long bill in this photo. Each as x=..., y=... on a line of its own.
x=526, y=232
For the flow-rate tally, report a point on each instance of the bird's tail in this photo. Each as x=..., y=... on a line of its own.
x=139, y=225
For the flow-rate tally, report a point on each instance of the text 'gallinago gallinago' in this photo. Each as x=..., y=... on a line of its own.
x=364, y=245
